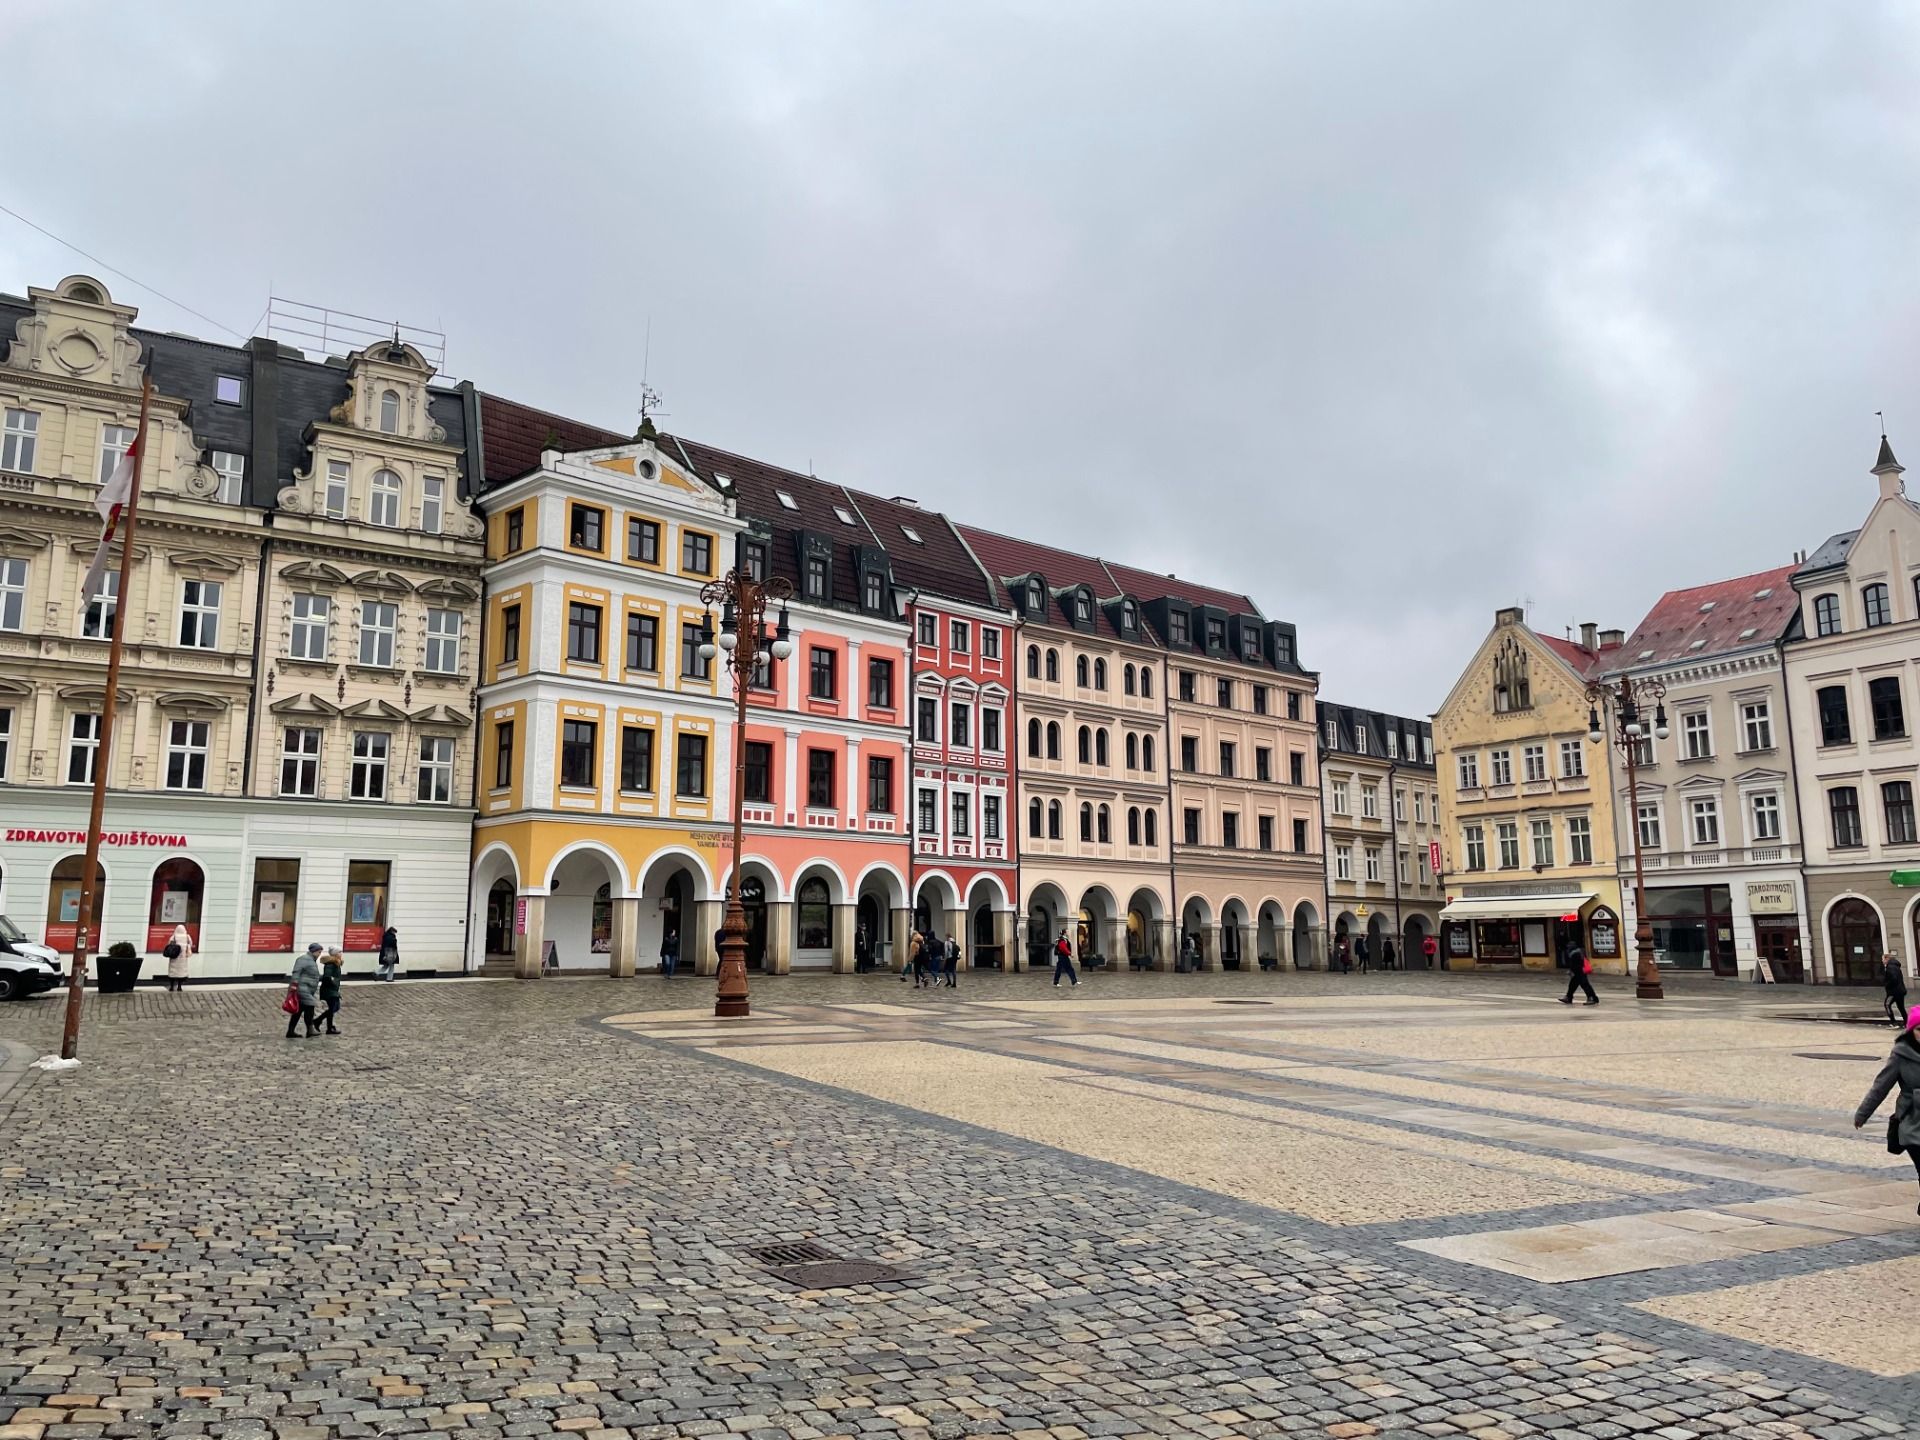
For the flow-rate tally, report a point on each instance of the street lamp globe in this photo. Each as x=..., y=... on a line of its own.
x=728, y=640
x=1660, y=731
x=1594, y=737
x=782, y=649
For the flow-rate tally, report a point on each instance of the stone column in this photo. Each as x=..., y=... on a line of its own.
x=626, y=939
x=779, y=959
x=1116, y=947
x=526, y=945
x=902, y=930
x=1003, y=938
x=843, y=939
x=698, y=947
x=1209, y=938
x=1167, y=934
x=955, y=925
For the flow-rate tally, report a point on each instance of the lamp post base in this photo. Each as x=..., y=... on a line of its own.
x=730, y=995
x=1646, y=974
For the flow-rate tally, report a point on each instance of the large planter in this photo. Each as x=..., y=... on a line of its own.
x=117, y=977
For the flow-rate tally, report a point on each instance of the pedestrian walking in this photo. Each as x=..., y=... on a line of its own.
x=1902, y=1070
x=329, y=990
x=1386, y=955
x=1360, y=953
x=1343, y=953
x=953, y=963
x=1579, y=968
x=1894, y=981
x=916, y=958
x=669, y=951
x=178, y=950
x=1063, y=962
x=1189, y=953
x=1430, y=948
x=303, y=988
x=389, y=952
x=862, y=950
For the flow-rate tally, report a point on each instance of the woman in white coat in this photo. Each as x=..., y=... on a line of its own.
x=179, y=950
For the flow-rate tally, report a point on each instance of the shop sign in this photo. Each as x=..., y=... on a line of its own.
x=360, y=938
x=1433, y=855
x=520, y=915
x=1603, y=933
x=1770, y=897
x=160, y=933
x=1459, y=942
x=107, y=837
x=269, y=939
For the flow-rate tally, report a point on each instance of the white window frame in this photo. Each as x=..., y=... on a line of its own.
x=383, y=499
x=1765, y=802
x=390, y=412
x=1342, y=797
x=960, y=814
x=959, y=637
x=1579, y=840
x=1343, y=862
x=927, y=629
x=1419, y=807
x=1500, y=767
x=1467, y=769
x=1473, y=846
x=1373, y=863
x=1756, y=725
x=300, y=747
x=1703, y=816
x=20, y=441
x=443, y=642
x=1399, y=860
x=433, y=503
x=1369, y=800
x=231, y=467
x=989, y=643
x=200, y=613
x=1400, y=804
x=312, y=617
x=379, y=621
x=370, y=758
x=83, y=738
x=1506, y=834
x=115, y=441
x=13, y=592
x=1696, y=734
x=1650, y=822
x=1573, y=759
x=1540, y=833
x=98, y=624
x=1533, y=761
x=339, y=491
x=434, y=784
x=188, y=741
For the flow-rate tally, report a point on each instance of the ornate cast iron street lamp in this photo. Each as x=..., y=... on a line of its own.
x=1625, y=702
x=743, y=638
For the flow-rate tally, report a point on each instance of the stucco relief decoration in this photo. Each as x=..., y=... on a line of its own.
x=292, y=499
x=1512, y=683
x=77, y=353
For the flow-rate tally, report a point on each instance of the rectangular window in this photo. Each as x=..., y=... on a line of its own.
x=643, y=644
x=276, y=891
x=1370, y=802
x=820, y=779
x=443, y=642
x=1359, y=739
x=926, y=809
x=516, y=530
x=820, y=673
x=1266, y=832
x=879, y=785
x=1649, y=819
x=1399, y=805
x=1573, y=759
x=1696, y=737
x=873, y=591
x=990, y=731
x=433, y=503
x=6, y=740
x=300, y=761
x=643, y=540
x=1835, y=727
x=1889, y=715
x=366, y=908
x=1897, y=797
x=1223, y=694
x=1187, y=684
x=1228, y=756
x=503, y=755
x=1230, y=829
x=377, y=623
x=989, y=649
x=367, y=779
x=200, y=613
x=96, y=621
x=510, y=635
x=1469, y=771
x=1843, y=804
x=1373, y=862
x=960, y=726
x=309, y=637
x=1263, y=763
x=1500, y=767
x=815, y=577
x=1190, y=753
x=1191, y=821
x=115, y=441
x=187, y=754
x=636, y=759
x=1765, y=810
x=1259, y=699
x=339, y=481
x=1343, y=862
x=1579, y=841
x=1296, y=768
x=1534, y=759
x=880, y=684
x=753, y=555
x=579, y=768
x=926, y=720
x=586, y=526
x=696, y=552
x=232, y=470
x=1756, y=723
x=962, y=815
x=1509, y=837
x=1179, y=631
x=1706, y=820
x=1293, y=704
x=1419, y=807
x=1300, y=837
x=960, y=637
x=1393, y=753
x=13, y=592
x=990, y=813
x=583, y=633
x=693, y=665
x=1877, y=605
x=1476, y=847
x=757, y=785
x=18, y=441
x=229, y=390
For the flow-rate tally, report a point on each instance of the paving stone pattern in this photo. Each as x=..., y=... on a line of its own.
x=481, y=1213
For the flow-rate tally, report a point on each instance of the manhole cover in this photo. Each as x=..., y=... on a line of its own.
x=1243, y=1002
x=1829, y=1055
x=811, y=1266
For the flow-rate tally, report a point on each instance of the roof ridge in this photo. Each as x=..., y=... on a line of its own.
x=542, y=412
x=1729, y=580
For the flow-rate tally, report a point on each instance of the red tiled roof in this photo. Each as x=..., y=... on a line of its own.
x=1145, y=585
x=1005, y=557
x=1713, y=619
x=512, y=436
x=1583, y=660
x=939, y=563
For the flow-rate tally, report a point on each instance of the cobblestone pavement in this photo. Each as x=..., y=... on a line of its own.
x=499, y=1209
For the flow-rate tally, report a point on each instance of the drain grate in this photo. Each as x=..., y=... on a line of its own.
x=1243, y=1002
x=811, y=1266
x=1829, y=1055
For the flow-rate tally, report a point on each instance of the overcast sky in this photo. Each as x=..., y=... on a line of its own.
x=1385, y=314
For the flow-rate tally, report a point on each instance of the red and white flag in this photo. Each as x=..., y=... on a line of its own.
x=111, y=502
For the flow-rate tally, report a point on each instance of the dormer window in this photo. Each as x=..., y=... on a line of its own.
x=873, y=591
x=1034, y=598
x=1283, y=646
x=390, y=411
x=753, y=556
x=229, y=390
x=1179, y=628
x=1129, y=620
x=1082, y=608
x=816, y=578
x=1216, y=634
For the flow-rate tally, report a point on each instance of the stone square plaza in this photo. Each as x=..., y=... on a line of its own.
x=1229, y=1204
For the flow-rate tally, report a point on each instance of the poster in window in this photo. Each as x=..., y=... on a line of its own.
x=1603, y=932
x=273, y=907
x=1534, y=937
x=70, y=905
x=173, y=907
x=1459, y=942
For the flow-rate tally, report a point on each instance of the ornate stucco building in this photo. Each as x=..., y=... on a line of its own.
x=1381, y=802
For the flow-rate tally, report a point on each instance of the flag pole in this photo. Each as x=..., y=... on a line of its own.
x=103, y=754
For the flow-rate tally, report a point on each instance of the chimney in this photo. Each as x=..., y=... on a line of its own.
x=1612, y=639
x=1509, y=615
x=906, y=500
x=1588, y=630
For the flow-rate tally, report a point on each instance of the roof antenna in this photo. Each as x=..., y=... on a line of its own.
x=1881, y=416
x=649, y=397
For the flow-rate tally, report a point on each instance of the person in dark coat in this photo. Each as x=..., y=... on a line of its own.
x=1063, y=961
x=389, y=952
x=669, y=951
x=1902, y=1071
x=306, y=986
x=1360, y=952
x=1386, y=955
x=1579, y=968
x=1894, y=981
x=953, y=963
x=330, y=990
x=862, y=951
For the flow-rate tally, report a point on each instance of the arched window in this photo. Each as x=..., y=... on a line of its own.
x=1053, y=820
x=63, y=900
x=1152, y=840
x=390, y=411
x=1133, y=751
x=1146, y=682
x=1033, y=738
x=1826, y=615
x=1086, y=746
x=1053, y=664
x=815, y=914
x=1099, y=674
x=1086, y=823
x=1126, y=679
x=1133, y=825
x=1100, y=756
x=1080, y=671
x=1106, y=826
x=1053, y=740
x=383, y=506
x=1877, y=605
x=1033, y=662
x=1033, y=817
x=1146, y=751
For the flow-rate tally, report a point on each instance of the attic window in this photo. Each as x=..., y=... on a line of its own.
x=1706, y=607
x=85, y=295
x=229, y=389
x=1748, y=633
x=912, y=534
x=1698, y=645
x=846, y=515
x=786, y=500
x=1763, y=594
x=1646, y=654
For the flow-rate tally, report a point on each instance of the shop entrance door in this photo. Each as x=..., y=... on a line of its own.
x=1779, y=943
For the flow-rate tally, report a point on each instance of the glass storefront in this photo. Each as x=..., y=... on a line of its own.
x=1692, y=927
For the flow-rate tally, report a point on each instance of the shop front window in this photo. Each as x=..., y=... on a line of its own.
x=276, y=895
x=366, y=912
x=815, y=916
x=63, y=901
x=177, y=888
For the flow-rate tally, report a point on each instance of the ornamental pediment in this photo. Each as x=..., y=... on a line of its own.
x=1699, y=782
x=375, y=708
x=441, y=715
x=190, y=700
x=12, y=539
x=314, y=572
x=382, y=582
x=304, y=704
x=203, y=560
x=448, y=590
x=1759, y=777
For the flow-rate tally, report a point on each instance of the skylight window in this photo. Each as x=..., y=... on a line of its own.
x=1748, y=633
x=1763, y=594
x=846, y=515
x=786, y=500
x=1646, y=654
x=1698, y=645
x=912, y=534
x=1706, y=607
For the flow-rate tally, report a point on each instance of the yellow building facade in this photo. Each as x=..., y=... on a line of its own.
x=1527, y=810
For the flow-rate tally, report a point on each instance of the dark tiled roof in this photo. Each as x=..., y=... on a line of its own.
x=1005, y=558
x=1886, y=460
x=1348, y=719
x=1145, y=585
x=939, y=564
x=1833, y=552
x=1714, y=619
x=513, y=435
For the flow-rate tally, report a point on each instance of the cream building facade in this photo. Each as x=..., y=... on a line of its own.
x=1381, y=800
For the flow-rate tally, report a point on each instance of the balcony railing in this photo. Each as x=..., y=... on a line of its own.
x=1715, y=858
